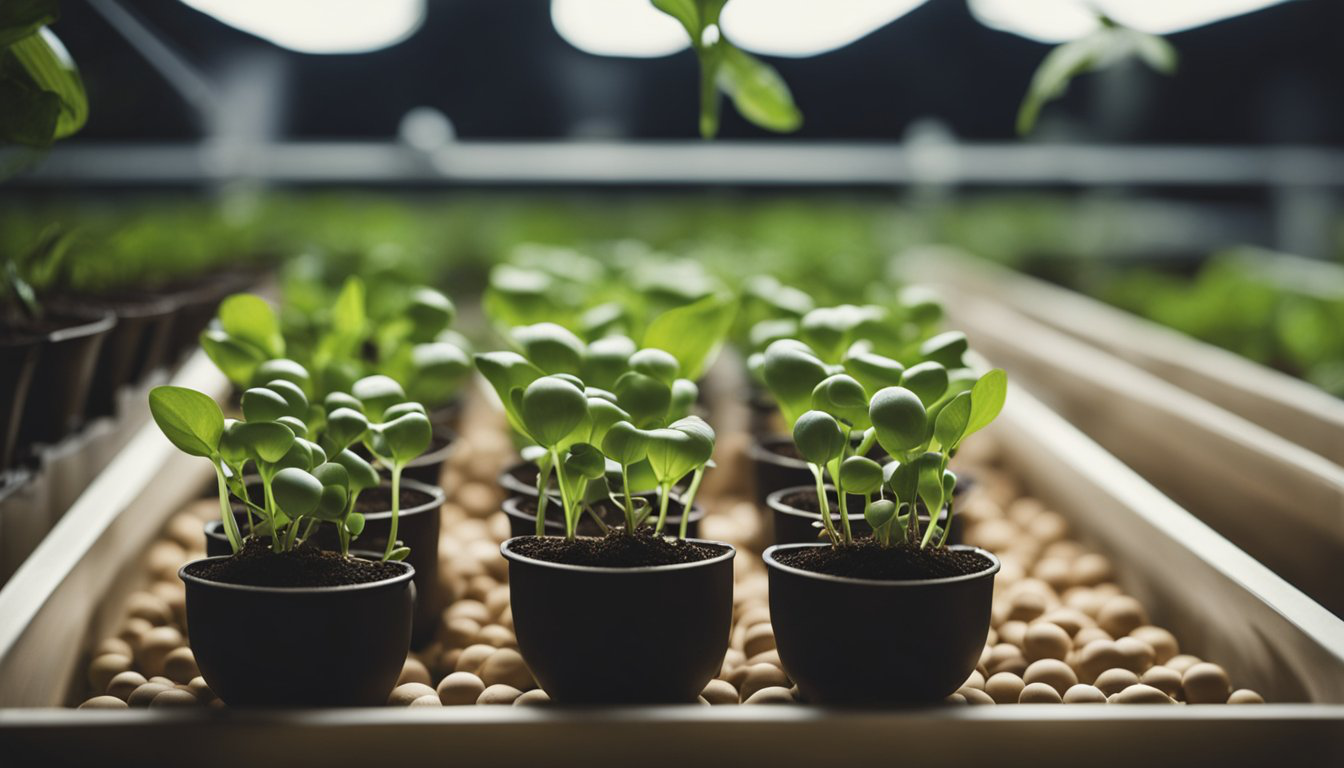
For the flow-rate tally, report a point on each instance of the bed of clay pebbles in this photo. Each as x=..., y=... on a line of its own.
x=1063, y=631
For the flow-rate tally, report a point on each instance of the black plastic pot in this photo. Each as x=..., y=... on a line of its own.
x=794, y=515
x=417, y=527
x=519, y=479
x=925, y=636
x=18, y=361
x=301, y=647
x=522, y=514
x=775, y=465
x=129, y=346
x=64, y=373
x=653, y=635
x=447, y=415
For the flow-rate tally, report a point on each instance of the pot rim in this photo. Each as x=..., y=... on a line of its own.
x=89, y=325
x=769, y=557
x=729, y=552
x=182, y=574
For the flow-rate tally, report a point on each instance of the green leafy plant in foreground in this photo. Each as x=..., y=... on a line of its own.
x=597, y=413
x=917, y=416
x=301, y=453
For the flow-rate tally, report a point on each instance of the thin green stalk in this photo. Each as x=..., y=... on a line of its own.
x=630, y=523
x=543, y=496
x=226, y=512
x=664, y=492
x=570, y=508
x=689, y=499
x=396, y=509
x=947, y=526
x=270, y=514
x=824, y=505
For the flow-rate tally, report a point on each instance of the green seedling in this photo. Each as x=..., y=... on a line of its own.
x=398, y=432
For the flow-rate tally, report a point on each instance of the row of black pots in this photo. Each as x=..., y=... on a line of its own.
x=56, y=375
x=418, y=523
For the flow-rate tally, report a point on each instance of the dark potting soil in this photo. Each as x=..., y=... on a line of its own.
x=866, y=559
x=380, y=500
x=305, y=566
x=616, y=550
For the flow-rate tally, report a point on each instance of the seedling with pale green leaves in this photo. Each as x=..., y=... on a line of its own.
x=638, y=430
x=301, y=452
x=916, y=414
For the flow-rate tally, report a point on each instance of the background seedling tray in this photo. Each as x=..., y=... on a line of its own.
x=1222, y=603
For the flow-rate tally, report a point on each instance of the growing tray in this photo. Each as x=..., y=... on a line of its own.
x=1215, y=597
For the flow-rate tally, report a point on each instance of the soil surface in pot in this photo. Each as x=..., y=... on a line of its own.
x=305, y=566
x=867, y=559
x=379, y=499
x=616, y=550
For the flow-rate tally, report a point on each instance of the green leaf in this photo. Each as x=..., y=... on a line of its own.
x=1104, y=47
x=987, y=398
x=354, y=525
x=603, y=414
x=249, y=318
x=283, y=368
x=378, y=393
x=335, y=491
x=437, y=370
x=625, y=443
x=946, y=349
x=406, y=436
x=657, y=363
x=507, y=371
x=583, y=460
x=264, y=404
x=236, y=360
x=703, y=436
x=927, y=380
x=693, y=333
x=265, y=441
x=30, y=114
x=950, y=424
x=672, y=454
x=874, y=371
x=791, y=373
x=843, y=397
x=606, y=359
x=296, y=492
x=550, y=409
x=880, y=514
x=430, y=312
x=684, y=394
x=398, y=554
x=45, y=60
x=818, y=437
x=899, y=419
x=645, y=398
x=860, y=474
x=189, y=419
x=345, y=426
x=757, y=90
x=362, y=474
x=550, y=347
x=21, y=18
